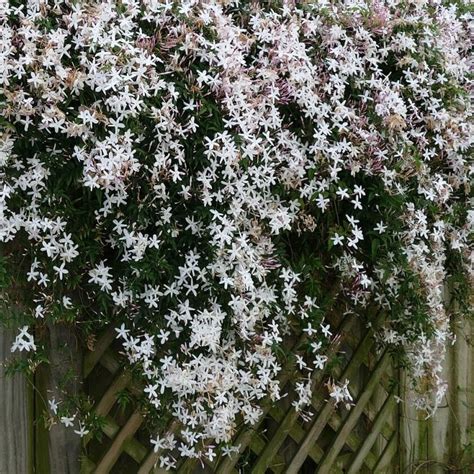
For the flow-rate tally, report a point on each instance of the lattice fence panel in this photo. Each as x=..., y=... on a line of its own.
x=362, y=438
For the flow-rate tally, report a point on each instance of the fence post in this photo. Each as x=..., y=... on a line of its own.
x=443, y=442
x=16, y=434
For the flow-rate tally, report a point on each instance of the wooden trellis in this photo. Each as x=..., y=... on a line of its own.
x=325, y=439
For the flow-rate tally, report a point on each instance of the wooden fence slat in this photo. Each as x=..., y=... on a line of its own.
x=111, y=456
x=110, y=362
x=135, y=450
x=353, y=416
x=310, y=439
x=369, y=441
x=41, y=433
x=150, y=461
x=257, y=444
x=15, y=425
x=64, y=380
x=342, y=462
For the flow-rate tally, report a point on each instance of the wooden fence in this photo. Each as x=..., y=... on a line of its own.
x=375, y=435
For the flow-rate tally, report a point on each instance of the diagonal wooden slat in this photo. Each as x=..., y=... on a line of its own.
x=291, y=416
x=296, y=433
x=353, y=441
x=244, y=438
x=257, y=445
x=387, y=454
x=152, y=458
x=353, y=416
x=110, y=362
x=381, y=419
x=131, y=446
x=149, y=463
x=87, y=466
x=93, y=357
x=108, y=399
x=125, y=434
x=323, y=417
x=113, y=364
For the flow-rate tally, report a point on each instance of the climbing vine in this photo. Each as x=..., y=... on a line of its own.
x=210, y=177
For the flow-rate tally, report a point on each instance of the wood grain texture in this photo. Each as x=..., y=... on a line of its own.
x=15, y=422
x=65, y=379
